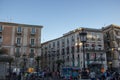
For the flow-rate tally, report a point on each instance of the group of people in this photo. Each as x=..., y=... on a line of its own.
x=107, y=75
x=14, y=76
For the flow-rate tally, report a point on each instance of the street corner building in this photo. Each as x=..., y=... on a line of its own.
x=23, y=43
x=67, y=50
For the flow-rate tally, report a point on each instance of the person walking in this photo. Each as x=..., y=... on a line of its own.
x=75, y=75
x=92, y=75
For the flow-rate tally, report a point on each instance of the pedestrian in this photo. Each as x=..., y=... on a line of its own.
x=58, y=74
x=92, y=75
x=103, y=77
x=19, y=76
x=75, y=75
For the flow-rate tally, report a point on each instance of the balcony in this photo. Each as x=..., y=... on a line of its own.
x=31, y=55
x=32, y=45
x=98, y=59
x=0, y=44
x=109, y=58
x=0, y=30
x=17, y=44
x=32, y=33
x=17, y=54
x=94, y=50
x=118, y=37
x=107, y=39
x=18, y=32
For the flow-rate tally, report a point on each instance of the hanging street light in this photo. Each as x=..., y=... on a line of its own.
x=83, y=39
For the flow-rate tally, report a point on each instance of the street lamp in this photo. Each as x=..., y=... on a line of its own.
x=102, y=64
x=37, y=58
x=24, y=62
x=83, y=39
x=101, y=55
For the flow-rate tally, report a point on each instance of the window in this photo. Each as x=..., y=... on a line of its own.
x=63, y=51
x=58, y=44
x=73, y=57
x=68, y=50
x=18, y=40
x=72, y=49
x=32, y=41
x=32, y=51
x=0, y=39
x=17, y=52
x=93, y=45
x=49, y=45
x=33, y=31
x=53, y=44
x=100, y=49
x=19, y=29
x=58, y=53
x=72, y=39
x=67, y=41
x=31, y=55
x=87, y=56
x=0, y=28
x=77, y=48
x=99, y=45
x=63, y=44
x=67, y=58
x=98, y=36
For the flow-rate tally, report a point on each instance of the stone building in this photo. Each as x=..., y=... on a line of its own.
x=69, y=51
x=23, y=42
x=112, y=45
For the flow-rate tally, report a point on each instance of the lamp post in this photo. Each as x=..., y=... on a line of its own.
x=101, y=55
x=37, y=60
x=83, y=39
x=11, y=59
x=102, y=65
x=24, y=62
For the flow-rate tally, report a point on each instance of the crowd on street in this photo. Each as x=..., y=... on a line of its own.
x=46, y=75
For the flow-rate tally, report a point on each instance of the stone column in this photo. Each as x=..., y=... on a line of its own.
x=115, y=61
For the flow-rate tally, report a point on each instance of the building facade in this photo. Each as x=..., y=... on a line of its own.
x=68, y=51
x=112, y=45
x=23, y=42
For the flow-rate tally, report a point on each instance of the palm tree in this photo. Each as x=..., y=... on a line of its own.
x=24, y=62
x=5, y=58
x=10, y=60
x=3, y=55
x=59, y=62
x=37, y=58
x=3, y=51
x=17, y=57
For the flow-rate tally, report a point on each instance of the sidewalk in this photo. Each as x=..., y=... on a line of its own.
x=84, y=79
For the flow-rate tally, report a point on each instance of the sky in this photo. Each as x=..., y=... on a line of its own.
x=61, y=16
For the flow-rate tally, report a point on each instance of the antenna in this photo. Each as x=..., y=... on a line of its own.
x=104, y=25
x=10, y=19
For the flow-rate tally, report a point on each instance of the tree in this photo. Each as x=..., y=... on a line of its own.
x=24, y=62
x=10, y=60
x=3, y=51
x=59, y=62
x=37, y=58
x=4, y=57
x=17, y=56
